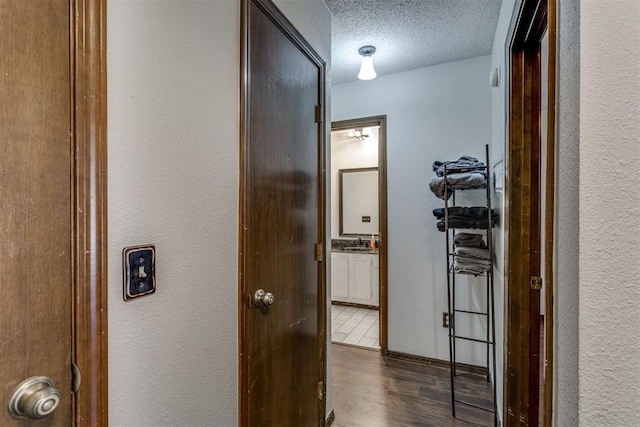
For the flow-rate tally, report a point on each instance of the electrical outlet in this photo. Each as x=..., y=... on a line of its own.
x=445, y=319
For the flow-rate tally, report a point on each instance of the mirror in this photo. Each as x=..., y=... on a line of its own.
x=358, y=201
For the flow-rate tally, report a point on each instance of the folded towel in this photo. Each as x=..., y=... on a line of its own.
x=460, y=181
x=472, y=253
x=460, y=212
x=463, y=164
x=462, y=267
x=469, y=240
x=467, y=224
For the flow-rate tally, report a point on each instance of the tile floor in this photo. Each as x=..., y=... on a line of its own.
x=355, y=326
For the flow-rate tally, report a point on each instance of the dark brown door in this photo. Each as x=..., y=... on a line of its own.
x=35, y=201
x=530, y=200
x=281, y=222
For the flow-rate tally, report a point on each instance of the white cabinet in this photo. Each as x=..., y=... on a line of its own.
x=354, y=278
x=340, y=276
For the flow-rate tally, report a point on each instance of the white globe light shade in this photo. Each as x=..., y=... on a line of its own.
x=366, y=69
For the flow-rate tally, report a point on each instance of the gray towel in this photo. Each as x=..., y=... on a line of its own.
x=469, y=239
x=464, y=267
x=474, y=253
x=458, y=181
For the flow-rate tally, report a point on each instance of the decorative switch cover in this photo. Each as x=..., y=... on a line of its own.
x=139, y=268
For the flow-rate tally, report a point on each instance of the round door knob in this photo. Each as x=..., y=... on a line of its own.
x=262, y=298
x=34, y=398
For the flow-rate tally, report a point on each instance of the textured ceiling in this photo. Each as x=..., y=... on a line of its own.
x=409, y=34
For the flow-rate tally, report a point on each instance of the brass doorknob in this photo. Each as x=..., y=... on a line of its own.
x=262, y=298
x=34, y=398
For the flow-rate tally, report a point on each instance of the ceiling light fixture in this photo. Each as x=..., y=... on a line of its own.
x=357, y=133
x=366, y=69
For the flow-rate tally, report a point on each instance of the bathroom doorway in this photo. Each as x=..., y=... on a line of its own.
x=359, y=233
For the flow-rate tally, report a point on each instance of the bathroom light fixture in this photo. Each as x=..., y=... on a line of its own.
x=357, y=133
x=366, y=69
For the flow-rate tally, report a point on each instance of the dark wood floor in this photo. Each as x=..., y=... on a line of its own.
x=372, y=391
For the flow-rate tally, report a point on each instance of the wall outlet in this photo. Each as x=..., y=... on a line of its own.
x=445, y=319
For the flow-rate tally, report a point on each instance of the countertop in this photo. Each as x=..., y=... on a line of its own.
x=362, y=252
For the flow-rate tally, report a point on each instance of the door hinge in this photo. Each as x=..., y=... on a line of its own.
x=76, y=378
x=536, y=283
x=319, y=252
x=320, y=387
x=318, y=113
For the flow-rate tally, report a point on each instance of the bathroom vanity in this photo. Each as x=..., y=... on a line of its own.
x=354, y=277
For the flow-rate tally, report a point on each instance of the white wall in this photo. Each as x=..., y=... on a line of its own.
x=565, y=401
x=173, y=73
x=609, y=307
x=498, y=143
x=173, y=182
x=434, y=113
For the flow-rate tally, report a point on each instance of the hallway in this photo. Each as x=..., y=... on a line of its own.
x=371, y=391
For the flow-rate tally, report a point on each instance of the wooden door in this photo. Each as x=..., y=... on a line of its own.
x=530, y=197
x=35, y=200
x=282, y=345
x=52, y=204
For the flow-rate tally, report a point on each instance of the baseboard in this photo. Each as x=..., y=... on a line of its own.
x=330, y=419
x=356, y=346
x=472, y=369
x=353, y=304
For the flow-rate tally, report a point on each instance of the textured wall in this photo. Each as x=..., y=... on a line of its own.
x=434, y=113
x=609, y=307
x=567, y=226
x=173, y=181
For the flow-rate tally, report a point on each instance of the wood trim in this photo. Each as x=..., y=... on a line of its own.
x=383, y=251
x=522, y=238
x=330, y=419
x=322, y=237
x=341, y=173
x=89, y=124
x=462, y=367
x=243, y=400
x=552, y=16
x=280, y=20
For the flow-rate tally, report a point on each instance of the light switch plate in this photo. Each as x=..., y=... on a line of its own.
x=139, y=271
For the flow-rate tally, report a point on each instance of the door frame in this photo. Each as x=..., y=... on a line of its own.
x=89, y=201
x=280, y=20
x=383, y=251
x=522, y=178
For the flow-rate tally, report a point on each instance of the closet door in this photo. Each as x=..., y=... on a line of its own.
x=36, y=276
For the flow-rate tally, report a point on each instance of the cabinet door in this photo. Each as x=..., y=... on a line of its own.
x=375, y=282
x=339, y=277
x=361, y=278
